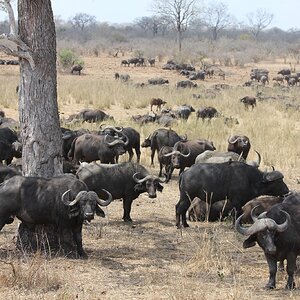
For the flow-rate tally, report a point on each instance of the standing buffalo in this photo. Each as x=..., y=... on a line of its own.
x=234, y=181
x=76, y=68
x=157, y=102
x=94, y=115
x=185, y=152
x=278, y=233
x=125, y=181
x=207, y=113
x=249, y=101
x=184, y=111
x=62, y=201
x=239, y=144
x=165, y=161
x=159, y=138
x=90, y=147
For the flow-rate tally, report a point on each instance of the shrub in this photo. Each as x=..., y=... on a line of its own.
x=67, y=58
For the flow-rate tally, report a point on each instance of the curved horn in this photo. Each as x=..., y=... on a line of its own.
x=113, y=143
x=273, y=168
x=259, y=225
x=240, y=156
x=127, y=139
x=185, y=155
x=78, y=197
x=65, y=197
x=258, y=158
x=233, y=139
x=282, y=227
x=102, y=202
x=171, y=153
x=142, y=179
x=254, y=217
x=162, y=180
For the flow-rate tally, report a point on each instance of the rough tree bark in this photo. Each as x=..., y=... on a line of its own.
x=38, y=109
x=39, y=118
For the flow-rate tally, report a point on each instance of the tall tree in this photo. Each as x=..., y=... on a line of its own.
x=81, y=20
x=216, y=18
x=180, y=12
x=35, y=45
x=258, y=21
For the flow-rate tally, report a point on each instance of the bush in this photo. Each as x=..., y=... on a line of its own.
x=67, y=58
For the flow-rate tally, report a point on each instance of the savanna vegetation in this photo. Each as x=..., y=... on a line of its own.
x=150, y=258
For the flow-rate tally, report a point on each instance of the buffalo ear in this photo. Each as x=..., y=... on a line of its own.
x=272, y=176
x=99, y=211
x=139, y=188
x=250, y=241
x=159, y=187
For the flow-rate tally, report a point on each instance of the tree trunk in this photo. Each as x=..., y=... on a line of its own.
x=38, y=109
x=179, y=40
x=39, y=119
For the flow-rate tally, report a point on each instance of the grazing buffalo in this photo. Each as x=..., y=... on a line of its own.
x=90, y=147
x=261, y=203
x=185, y=152
x=234, y=181
x=144, y=119
x=62, y=201
x=277, y=232
x=186, y=84
x=125, y=181
x=94, y=115
x=156, y=81
x=284, y=72
x=76, y=68
x=184, y=111
x=239, y=144
x=157, y=102
x=159, y=138
x=249, y=101
x=207, y=113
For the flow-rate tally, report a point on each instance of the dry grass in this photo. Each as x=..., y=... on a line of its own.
x=150, y=259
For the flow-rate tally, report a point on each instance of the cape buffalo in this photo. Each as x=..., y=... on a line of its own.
x=63, y=201
x=239, y=144
x=159, y=138
x=90, y=147
x=235, y=181
x=278, y=233
x=125, y=181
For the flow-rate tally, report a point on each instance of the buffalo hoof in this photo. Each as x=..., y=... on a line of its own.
x=127, y=220
x=270, y=286
x=290, y=286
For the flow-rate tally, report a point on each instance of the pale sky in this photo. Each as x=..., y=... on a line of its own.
x=286, y=12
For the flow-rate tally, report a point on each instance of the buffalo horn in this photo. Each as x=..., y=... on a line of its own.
x=232, y=140
x=115, y=142
x=185, y=155
x=66, y=197
x=102, y=202
x=254, y=217
x=258, y=158
x=146, y=178
x=171, y=153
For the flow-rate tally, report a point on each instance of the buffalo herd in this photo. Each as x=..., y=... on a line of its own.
x=213, y=184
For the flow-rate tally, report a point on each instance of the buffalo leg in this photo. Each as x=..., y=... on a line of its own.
x=127, y=208
x=130, y=152
x=138, y=153
x=181, y=209
x=77, y=235
x=160, y=169
x=152, y=156
x=272, y=272
x=290, y=269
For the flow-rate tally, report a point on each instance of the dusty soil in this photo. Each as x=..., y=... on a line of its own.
x=150, y=258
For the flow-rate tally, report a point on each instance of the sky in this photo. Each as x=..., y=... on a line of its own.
x=286, y=12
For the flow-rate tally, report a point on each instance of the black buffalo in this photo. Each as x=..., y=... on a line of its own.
x=239, y=144
x=94, y=115
x=185, y=152
x=235, y=181
x=159, y=138
x=278, y=233
x=76, y=68
x=90, y=147
x=125, y=181
x=184, y=111
x=165, y=162
x=62, y=201
x=129, y=135
x=208, y=112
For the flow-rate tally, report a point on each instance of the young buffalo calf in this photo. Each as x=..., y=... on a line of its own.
x=158, y=102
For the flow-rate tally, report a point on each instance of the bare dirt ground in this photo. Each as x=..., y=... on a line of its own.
x=150, y=258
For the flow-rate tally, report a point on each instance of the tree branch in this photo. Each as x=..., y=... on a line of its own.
x=24, y=51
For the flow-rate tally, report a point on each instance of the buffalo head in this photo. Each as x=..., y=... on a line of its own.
x=85, y=204
x=149, y=184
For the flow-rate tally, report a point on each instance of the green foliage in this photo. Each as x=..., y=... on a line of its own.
x=68, y=58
